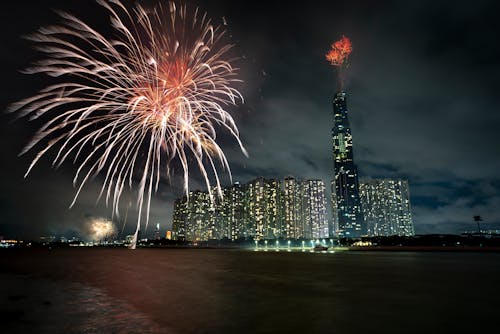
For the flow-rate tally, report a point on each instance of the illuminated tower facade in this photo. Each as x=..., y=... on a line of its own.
x=350, y=221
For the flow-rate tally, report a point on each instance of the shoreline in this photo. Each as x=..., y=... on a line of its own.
x=425, y=249
x=453, y=249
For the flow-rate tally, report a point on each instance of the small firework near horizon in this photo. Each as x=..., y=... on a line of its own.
x=127, y=107
x=100, y=228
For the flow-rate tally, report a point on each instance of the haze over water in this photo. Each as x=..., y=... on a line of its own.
x=235, y=291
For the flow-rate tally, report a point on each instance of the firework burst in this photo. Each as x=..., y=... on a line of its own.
x=127, y=107
x=100, y=228
x=339, y=55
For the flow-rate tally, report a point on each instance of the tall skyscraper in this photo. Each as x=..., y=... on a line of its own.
x=350, y=217
x=386, y=207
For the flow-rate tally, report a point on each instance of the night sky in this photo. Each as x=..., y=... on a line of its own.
x=422, y=96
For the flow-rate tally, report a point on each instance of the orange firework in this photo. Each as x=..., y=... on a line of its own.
x=339, y=52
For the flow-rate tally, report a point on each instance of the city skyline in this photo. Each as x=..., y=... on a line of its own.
x=290, y=209
x=261, y=209
x=413, y=115
x=293, y=209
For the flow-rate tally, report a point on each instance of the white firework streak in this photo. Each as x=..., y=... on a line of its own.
x=159, y=86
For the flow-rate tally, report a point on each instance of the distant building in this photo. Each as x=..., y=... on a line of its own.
x=346, y=184
x=386, y=206
x=179, y=219
x=157, y=232
x=47, y=239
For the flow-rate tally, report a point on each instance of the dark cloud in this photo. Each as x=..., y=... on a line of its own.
x=421, y=94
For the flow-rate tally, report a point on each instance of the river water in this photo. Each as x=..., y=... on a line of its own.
x=91, y=290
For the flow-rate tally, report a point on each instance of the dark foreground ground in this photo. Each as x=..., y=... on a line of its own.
x=235, y=291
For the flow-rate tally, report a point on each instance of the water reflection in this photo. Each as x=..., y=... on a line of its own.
x=234, y=291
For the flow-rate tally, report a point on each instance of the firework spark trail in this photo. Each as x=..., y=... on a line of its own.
x=339, y=55
x=159, y=86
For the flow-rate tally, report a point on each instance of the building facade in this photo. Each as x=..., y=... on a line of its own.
x=386, y=206
x=262, y=209
x=316, y=222
x=179, y=219
x=292, y=207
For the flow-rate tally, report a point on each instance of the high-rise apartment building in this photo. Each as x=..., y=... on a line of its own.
x=236, y=211
x=316, y=222
x=386, y=206
x=292, y=207
x=260, y=209
x=179, y=219
x=263, y=202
